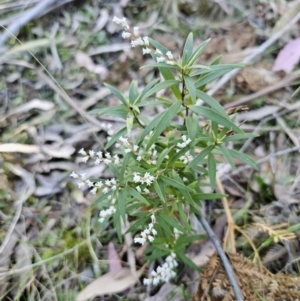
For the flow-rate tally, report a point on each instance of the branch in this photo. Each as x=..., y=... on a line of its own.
x=40, y=9
x=226, y=264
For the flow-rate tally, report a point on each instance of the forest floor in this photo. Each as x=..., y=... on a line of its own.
x=52, y=75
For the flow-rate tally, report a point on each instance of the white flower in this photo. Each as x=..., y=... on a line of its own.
x=91, y=153
x=137, y=42
x=74, y=175
x=127, y=150
x=169, y=55
x=99, y=154
x=116, y=159
x=158, y=52
x=94, y=190
x=80, y=184
x=135, y=147
x=122, y=22
x=138, y=158
x=146, y=41
x=85, y=159
x=99, y=184
x=89, y=183
x=136, y=31
x=82, y=152
x=126, y=35
x=105, y=190
x=170, y=62
x=146, y=190
x=101, y=220
x=146, y=51
x=83, y=176
x=138, y=188
x=160, y=59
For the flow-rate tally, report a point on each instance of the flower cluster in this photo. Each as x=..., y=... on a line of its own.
x=146, y=234
x=186, y=142
x=106, y=186
x=98, y=157
x=108, y=212
x=136, y=40
x=147, y=178
x=164, y=272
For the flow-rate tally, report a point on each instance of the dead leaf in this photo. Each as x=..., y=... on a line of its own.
x=112, y=282
x=39, y=104
x=288, y=57
x=167, y=291
x=19, y=148
x=258, y=114
x=113, y=259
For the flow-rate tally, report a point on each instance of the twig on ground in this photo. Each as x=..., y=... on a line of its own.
x=281, y=84
x=258, y=51
x=40, y=9
x=225, y=261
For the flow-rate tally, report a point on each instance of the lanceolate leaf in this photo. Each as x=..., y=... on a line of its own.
x=115, y=137
x=164, y=121
x=191, y=87
x=226, y=154
x=197, y=52
x=137, y=195
x=133, y=91
x=175, y=184
x=210, y=77
x=119, y=111
x=201, y=155
x=159, y=87
x=214, y=68
x=212, y=170
x=212, y=102
x=118, y=95
x=192, y=125
x=187, y=50
x=216, y=117
x=242, y=157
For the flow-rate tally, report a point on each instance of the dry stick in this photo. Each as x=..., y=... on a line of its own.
x=225, y=261
x=259, y=50
x=281, y=84
x=35, y=12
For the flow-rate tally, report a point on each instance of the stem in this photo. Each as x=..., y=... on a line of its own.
x=138, y=121
x=225, y=261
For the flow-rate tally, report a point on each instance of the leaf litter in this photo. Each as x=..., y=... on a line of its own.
x=41, y=134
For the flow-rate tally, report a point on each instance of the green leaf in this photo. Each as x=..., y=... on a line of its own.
x=214, y=68
x=119, y=111
x=115, y=171
x=187, y=50
x=115, y=137
x=142, y=221
x=117, y=223
x=237, y=137
x=175, y=184
x=118, y=95
x=133, y=91
x=242, y=157
x=150, y=127
x=129, y=123
x=212, y=170
x=171, y=221
x=183, y=216
x=210, y=77
x=188, y=261
x=216, y=117
x=197, y=52
x=162, y=156
x=121, y=203
x=158, y=191
x=159, y=65
x=191, y=87
x=212, y=102
x=164, y=121
x=201, y=155
x=125, y=162
x=137, y=195
x=159, y=87
x=216, y=61
x=146, y=89
x=192, y=125
x=207, y=196
x=226, y=154
x=102, y=198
